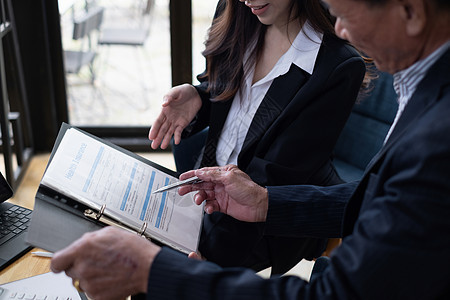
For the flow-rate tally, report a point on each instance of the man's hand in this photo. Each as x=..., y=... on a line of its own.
x=179, y=108
x=109, y=263
x=230, y=191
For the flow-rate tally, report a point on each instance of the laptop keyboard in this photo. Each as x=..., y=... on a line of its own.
x=13, y=221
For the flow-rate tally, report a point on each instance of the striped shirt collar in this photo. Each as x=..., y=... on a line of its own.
x=407, y=80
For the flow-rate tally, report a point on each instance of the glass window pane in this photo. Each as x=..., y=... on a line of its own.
x=125, y=84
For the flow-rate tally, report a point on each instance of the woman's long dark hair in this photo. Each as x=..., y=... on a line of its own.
x=232, y=32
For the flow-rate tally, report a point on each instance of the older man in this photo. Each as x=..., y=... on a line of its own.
x=395, y=223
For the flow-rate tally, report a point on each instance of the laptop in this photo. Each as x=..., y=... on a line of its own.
x=14, y=220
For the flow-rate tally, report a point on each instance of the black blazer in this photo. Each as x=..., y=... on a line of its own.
x=396, y=225
x=293, y=133
x=290, y=141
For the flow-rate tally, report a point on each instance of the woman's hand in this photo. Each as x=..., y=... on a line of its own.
x=230, y=191
x=179, y=108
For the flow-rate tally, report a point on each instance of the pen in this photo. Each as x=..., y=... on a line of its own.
x=191, y=180
x=42, y=254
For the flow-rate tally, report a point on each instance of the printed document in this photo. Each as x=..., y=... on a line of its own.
x=95, y=174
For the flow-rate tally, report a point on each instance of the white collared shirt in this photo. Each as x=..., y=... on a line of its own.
x=303, y=53
x=406, y=81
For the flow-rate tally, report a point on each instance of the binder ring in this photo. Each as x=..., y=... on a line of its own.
x=143, y=228
x=100, y=212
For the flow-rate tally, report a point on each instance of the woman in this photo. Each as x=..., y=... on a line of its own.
x=277, y=91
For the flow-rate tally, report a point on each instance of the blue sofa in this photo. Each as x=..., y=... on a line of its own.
x=366, y=128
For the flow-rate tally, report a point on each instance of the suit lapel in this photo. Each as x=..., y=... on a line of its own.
x=279, y=95
x=415, y=108
x=426, y=95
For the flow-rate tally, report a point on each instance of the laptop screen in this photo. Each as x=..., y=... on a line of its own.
x=5, y=190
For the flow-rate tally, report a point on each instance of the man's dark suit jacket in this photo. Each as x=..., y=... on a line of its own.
x=396, y=224
x=290, y=141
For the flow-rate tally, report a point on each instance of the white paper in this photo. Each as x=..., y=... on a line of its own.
x=48, y=285
x=94, y=173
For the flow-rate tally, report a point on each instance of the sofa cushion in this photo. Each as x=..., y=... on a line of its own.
x=366, y=128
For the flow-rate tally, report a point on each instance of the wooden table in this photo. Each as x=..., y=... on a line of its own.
x=26, y=266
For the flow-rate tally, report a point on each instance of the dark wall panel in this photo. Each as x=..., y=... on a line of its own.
x=39, y=34
x=181, y=41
